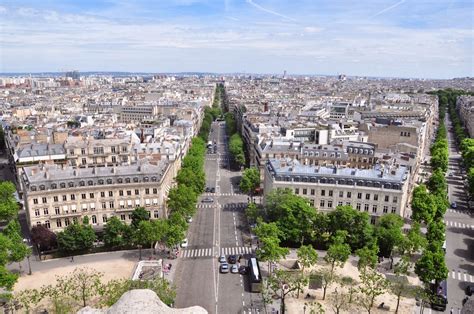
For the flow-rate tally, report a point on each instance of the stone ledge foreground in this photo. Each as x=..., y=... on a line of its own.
x=142, y=301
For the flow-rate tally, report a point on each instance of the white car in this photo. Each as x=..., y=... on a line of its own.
x=184, y=243
x=189, y=219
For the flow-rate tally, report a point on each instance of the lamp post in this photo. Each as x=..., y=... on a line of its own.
x=139, y=252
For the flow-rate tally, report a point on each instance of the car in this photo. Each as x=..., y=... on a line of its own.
x=234, y=269
x=207, y=200
x=224, y=268
x=469, y=290
x=189, y=219
x=208, y=189
x=184, y=243
x=450, y=174
x=213, y=190
x=232, y=259
x=454, y=205
x=222, y=259
x=243, y=270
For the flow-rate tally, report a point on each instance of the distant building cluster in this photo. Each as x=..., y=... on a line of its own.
x=465, y=106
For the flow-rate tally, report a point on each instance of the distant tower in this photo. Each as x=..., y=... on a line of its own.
x=73, y=74
x=369, y=105
x=284, y=74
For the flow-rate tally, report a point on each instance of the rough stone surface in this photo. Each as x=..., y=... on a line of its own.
x=142, y=301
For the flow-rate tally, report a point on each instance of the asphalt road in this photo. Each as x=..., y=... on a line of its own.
x=459, y=232
x=218, y=228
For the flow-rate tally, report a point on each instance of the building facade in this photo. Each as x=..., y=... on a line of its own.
x=56, y=196
x=377, y=191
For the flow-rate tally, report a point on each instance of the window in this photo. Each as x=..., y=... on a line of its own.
x=58, y=223
x=311, y=202
x=297, y=191
x=112, y=149
x=374, y=208
x=386, y=198
x=305, y=191
x=155, y=191
x=111, y=193
x=38, y=223
x=321, y=203
x=44, y=200
x=358, y=206
x=156, y=214
x=349, y=194
x=359, y=196
x=91, y=195
x=137, y=192
x=329, y=204
x=84, y=162
x=323, y=192
x=394, y=210
x=147, y=191
x=104, y=218
x=47, y=224
x=366, y=207
x=56, y=210
x=395, y=199
x=121, y=192
x=46, y=211
x=104, y=205
x=385, y=209
x=376, y=197
x=129, y=193
x=90, y=182
x=55, y=199
x=367, y=196
x=62, y=185
x=83, y=151
x=339, y=203
x=122, y=217
x=94, y=219
x=66, y=222
x=37, y=212
x=312, y=191
x=73, y=197
x=111, y=204
x=74, y=220
x=330, y=192
x=341, y=193
x=372, y=220
x=83, y=196
x=348, y=203
x=102, y=194
x=114, y=159
x=35, y=201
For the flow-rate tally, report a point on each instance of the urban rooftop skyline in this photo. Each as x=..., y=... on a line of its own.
x=422, y=39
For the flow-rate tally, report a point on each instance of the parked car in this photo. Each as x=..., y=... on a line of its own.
x=454, y=205
x=207, y=200
x=234, y=269
x=184, y=243
x=189, y=219
x=469, y=290
x=222, y=259
x=224, y=268
x=243, y=270
x=213, y=190
x=232, y=259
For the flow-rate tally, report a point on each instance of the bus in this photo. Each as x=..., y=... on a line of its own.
x=255, y=277
x=440, y=296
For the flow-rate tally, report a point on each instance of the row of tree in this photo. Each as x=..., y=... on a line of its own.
x=12, y=248
x=84, y=287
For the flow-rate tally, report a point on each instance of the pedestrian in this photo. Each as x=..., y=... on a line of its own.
x=72, y=258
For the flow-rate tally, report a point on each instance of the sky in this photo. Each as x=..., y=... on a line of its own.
x=385, y=38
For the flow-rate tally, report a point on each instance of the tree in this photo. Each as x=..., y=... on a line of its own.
x=437, y=183
x=27, y=298
x=252, y=212
x=431, y=265
x=349, y=282
x=436, y=231
x=43, y=238
x=356, y=223
x=339, y=300
x=267, y=230
x=368, y=257
x=470, y=180
x=372, y=285
x=422, y=204
x=338, y=252
x=83, y=284
x=174, y=234
x=413, y=241
x=76, y=237
x=116, y=233
x=8, y=204
x=399, y=284
x=7, y=279
x=327, y=279
x=283, y=283
x=138, y=215
x=194, y=180
x=18, y=250
x=389, y=233
x=307, y=256
x=183, y=199
x=250, y=180
x=270, y=250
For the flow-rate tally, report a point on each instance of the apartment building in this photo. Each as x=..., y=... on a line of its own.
x=57, y=196
x=377, y=191
x=138, y=113
x=465, y=106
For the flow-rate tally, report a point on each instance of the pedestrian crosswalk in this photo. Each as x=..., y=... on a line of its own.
x=205, y=205
x=461, y=276
x=459, y=211
x=208, y=252
x=456, y=224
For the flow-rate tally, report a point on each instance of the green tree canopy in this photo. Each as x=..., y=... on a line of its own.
x=431, y=265
x=8, y=203
x=138, y=215
x=389, y=233
x=182, y=199
x=307, y=256
x=437, y=183
x=339, y=251
x=422, y=204
x=250, y=180
x=76, y=237
x=116, y=233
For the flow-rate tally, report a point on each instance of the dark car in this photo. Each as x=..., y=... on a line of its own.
x=232, y=259
x=243, y=270
x=454, y=205
x=470, y=290
x=208, y=189
x=212, y=190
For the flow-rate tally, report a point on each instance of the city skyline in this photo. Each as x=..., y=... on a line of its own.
x=425, y=39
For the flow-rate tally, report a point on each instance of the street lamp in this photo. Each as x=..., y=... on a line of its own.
x=29, y=265
x=139, y=252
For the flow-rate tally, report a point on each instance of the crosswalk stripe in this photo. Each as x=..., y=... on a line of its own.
x=470, y=278
x=459, y=275
x=465, y=277
x=453, y=274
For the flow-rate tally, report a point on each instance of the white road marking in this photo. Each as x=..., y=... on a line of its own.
x=465, y=277
x=459, y=275
x=470, y=278
x=453, y=274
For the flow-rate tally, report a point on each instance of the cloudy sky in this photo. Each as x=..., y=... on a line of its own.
x=402, y=38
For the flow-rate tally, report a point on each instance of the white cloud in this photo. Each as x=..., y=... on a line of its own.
x=311, y=29
x=270, y=11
